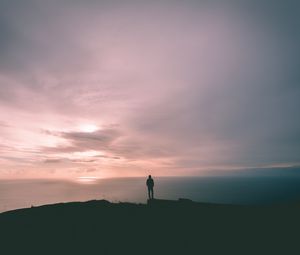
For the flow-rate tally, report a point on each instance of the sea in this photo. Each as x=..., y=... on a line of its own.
x=15, y=194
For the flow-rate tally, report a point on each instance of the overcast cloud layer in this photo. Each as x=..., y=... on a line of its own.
x=123, y=88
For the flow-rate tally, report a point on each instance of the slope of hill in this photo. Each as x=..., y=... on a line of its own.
x=160, y=227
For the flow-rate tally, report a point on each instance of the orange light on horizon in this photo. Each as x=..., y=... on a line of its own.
x=87, y=179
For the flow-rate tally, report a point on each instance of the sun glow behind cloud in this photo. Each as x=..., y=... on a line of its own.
x=88, y=128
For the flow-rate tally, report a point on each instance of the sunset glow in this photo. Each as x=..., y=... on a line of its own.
x=87, y=179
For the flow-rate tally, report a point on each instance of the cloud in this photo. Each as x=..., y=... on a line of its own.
x=192, y=85
x=91, y=170
x=52, y=161
x=84, y=141
x=4, y=124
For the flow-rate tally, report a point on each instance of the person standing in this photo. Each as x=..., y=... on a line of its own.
x=150, y=185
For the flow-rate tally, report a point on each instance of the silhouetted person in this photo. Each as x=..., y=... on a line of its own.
x=150, y=185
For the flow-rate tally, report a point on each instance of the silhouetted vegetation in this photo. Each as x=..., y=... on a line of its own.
x=161, y=227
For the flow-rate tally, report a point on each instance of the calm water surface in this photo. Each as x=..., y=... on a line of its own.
x=234, y=190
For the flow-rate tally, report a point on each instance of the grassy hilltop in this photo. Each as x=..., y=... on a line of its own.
x=159, y=227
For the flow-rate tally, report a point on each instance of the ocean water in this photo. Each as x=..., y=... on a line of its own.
x=16, y=194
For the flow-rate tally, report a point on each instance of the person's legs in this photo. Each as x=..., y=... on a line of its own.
x=149, y=195
x=152, y=193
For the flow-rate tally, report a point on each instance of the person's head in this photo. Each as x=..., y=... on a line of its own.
x=149, y=176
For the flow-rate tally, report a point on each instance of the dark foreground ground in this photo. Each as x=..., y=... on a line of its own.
x=161, y=227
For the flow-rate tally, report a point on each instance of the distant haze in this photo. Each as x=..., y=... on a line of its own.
x=128, y=88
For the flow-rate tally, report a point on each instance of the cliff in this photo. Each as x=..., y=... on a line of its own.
x=158, y=227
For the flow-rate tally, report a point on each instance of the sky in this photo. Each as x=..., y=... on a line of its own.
x=128, y=88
